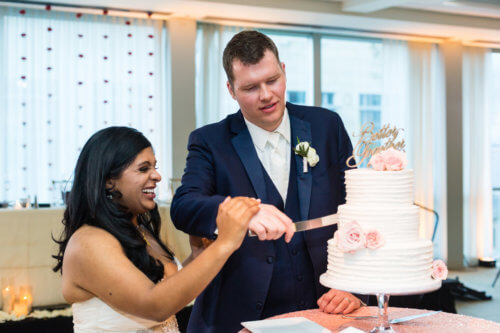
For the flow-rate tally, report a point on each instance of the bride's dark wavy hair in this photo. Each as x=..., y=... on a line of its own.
x=105, y=156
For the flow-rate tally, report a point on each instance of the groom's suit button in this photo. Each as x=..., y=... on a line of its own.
x=269, y=260
x=259, y=306
x=299, y=277
x=294, y=251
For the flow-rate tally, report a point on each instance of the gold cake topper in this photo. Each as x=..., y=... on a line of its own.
x=365, y=147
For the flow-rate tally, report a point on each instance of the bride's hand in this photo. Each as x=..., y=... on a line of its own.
x=233, y=218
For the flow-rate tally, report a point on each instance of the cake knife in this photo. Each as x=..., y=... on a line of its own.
x=396, y=320
x=318, y=222
x=403, y=319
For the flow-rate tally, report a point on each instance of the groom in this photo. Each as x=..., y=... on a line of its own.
x=250, y=153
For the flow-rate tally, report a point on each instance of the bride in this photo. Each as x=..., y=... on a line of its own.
x=116, y=272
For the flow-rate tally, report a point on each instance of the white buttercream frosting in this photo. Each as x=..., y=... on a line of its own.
x=367, y=186
x=382, y=201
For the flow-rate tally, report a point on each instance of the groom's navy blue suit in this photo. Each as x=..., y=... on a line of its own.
x=262, y=278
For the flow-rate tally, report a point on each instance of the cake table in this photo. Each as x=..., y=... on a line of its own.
x=442, y=322
x=382, y=324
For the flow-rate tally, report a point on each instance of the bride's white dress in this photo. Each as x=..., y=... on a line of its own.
x=94, y=315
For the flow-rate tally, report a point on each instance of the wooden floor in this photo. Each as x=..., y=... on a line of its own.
x=480, y=279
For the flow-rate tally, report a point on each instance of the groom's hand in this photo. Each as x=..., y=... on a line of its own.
x=337, y=301
x=270, y=223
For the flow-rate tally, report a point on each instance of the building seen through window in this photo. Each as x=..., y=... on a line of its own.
x=351, y=81
x=369, y=110
x=297, y=97
x=295, y=51
x=327, y=99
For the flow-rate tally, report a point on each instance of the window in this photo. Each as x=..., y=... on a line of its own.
x=495, y=153
x=327, y=99
x=352, y=68
x=213, y=101
x=369, y=109
x=63, y=78
x=297, y=97
x=362, y=79
x=295, y=51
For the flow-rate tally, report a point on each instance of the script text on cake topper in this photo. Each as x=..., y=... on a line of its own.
x=366, y=147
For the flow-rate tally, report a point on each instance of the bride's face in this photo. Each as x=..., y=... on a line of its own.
x=137, y=183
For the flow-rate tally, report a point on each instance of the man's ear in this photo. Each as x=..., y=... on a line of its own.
x=283, y=68
x=230, y=89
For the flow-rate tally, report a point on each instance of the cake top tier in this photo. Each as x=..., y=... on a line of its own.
x=370, y=187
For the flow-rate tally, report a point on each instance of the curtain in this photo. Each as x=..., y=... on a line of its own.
x=478, y=194
x=413, y=100
x=67, y=75
x=427, y=138
x=213, y=101
x=395, y=77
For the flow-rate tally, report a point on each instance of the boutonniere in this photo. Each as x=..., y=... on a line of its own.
x=308, y=153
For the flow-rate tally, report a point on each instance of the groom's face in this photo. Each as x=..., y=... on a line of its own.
x=260, y=89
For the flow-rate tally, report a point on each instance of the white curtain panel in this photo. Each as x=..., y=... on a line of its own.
x=213, y=101
x=477, y=83
x=427, y=136
x=395, y=78
x=63, y=77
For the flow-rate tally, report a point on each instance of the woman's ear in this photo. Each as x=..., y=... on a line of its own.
x=110, y=184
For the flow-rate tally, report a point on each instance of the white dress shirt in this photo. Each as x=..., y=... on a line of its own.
x=273, y=150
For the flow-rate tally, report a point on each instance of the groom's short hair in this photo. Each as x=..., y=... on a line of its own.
x=248, y=46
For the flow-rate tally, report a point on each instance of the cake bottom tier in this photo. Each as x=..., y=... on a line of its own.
x=399, y=269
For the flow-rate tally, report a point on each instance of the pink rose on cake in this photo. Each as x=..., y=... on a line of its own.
x=377, y=162
x=439, y=270
x=390, y=160
x=350, y=237
x=374, y=240
x=395, y=160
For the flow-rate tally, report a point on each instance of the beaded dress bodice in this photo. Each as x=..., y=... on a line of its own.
x=94, y=315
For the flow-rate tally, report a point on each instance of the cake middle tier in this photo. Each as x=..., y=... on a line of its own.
x=397, y=224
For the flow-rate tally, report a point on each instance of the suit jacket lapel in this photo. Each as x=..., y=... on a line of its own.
x=301, y=129
x=243, y=144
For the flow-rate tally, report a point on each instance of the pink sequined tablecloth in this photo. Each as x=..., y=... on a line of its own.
x=440, y=323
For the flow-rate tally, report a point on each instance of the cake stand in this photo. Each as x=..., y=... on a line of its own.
x=382, y=295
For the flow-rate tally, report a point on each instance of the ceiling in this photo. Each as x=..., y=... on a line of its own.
x=471, y=21
x=484, y=8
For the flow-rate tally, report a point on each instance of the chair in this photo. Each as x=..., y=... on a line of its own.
x=436, y=222
x=496, y=278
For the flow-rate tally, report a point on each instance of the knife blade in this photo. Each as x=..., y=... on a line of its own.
x=319, y=222
x=402, y=319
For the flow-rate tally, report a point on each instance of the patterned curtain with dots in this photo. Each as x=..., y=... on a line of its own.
x=63, y=76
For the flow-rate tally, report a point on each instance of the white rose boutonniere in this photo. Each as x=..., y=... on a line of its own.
x=308, y=153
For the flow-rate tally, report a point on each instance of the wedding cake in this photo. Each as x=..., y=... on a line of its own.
x=377, y=248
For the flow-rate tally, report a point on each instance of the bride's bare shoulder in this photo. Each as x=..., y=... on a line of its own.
x=89, y=239
x=87, y=252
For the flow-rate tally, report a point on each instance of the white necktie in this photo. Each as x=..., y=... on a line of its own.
x=275, y=149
